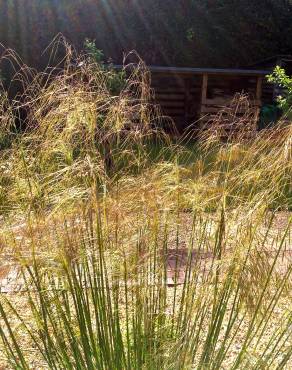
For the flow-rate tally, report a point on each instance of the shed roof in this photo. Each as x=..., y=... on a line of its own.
x=201, y=71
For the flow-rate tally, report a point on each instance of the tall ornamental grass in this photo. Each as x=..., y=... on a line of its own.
x=129, y=249
x=209, y=297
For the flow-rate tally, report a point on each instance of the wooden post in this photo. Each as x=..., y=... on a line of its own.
x=259, y=91
x=203, y=97
x=204, y=88
x=204, y=92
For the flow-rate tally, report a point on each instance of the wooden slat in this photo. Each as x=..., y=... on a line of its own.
x=224, y=102
x=216, y=109
x=204, y=88
x=220, y=101
x=160, y=96
x=172, y=111
x=178, y=89
x=176, y=104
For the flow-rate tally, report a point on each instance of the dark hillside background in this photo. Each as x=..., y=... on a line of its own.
x=221, y=33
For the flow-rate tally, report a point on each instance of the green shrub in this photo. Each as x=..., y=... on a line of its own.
x=116, y=80
x=280, y=78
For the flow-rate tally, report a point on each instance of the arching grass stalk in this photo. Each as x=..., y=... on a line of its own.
x=100, y=309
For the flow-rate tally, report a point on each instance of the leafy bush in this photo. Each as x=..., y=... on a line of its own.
x=116, y=80
x=280, y=78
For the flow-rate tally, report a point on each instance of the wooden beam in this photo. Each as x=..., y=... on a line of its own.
x=259, y=91
x=259, y=88
x=204, y=93
x=204, y=88
x=201, y=71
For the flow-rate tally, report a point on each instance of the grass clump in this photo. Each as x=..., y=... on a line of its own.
x=130, y=250
x=146, y=301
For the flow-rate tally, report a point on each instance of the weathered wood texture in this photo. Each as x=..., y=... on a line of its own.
x=188, y=97
x=178, y=97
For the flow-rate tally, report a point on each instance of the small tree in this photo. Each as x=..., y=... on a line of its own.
x=280, y=77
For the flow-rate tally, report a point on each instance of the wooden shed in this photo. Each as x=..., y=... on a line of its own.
x=189, y=94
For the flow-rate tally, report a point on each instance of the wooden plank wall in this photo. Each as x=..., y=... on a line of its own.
x=179, y=97
x=187, y=98
x=268, y=92
x=220, y=91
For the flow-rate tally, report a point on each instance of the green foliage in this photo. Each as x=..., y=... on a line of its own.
x=96, y=54
x=280, y=78
x=190, y=34
x=270, y=113
x=115, y=80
